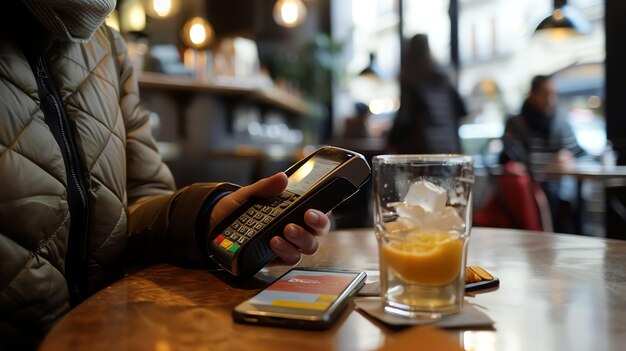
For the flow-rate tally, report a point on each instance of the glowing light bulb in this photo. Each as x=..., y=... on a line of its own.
x=289, y=13
x=162, y=8
x=197, y=33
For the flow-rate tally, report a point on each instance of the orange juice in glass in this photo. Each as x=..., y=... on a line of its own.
x=423, y=221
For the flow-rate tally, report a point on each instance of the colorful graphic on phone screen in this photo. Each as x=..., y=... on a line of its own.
x=304, y=290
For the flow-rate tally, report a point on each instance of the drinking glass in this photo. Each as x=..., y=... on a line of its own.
x=422, y=215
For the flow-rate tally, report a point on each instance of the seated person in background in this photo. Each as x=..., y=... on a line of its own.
x=356, y=126
x=541, y=134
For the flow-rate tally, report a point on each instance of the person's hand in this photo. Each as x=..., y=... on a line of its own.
x=297, y=240
x=565, y=159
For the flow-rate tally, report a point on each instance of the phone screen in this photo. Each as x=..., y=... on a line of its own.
x=311, y=291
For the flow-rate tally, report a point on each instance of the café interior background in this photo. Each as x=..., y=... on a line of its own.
x=239, y=89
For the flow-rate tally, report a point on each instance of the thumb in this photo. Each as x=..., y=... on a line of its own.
x=266, y=187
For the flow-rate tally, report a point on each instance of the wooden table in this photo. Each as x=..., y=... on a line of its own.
x=557, y=292
x=581, y=171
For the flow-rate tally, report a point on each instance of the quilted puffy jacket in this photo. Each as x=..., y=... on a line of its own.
x=114, y=195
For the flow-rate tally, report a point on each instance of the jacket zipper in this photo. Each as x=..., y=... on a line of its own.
x=57, y=120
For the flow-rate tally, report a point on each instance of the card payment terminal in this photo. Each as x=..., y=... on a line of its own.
x=322, y=180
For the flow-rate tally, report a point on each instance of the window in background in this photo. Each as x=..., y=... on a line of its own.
x=430, y=18
x=370, y=33
x=368, y=30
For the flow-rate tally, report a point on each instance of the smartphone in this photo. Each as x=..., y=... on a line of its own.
x=303, y=298
x=483, y=284
x=322, y=181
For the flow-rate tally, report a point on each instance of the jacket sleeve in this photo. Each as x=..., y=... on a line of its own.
x=27, y=310
x=163, y=223
x=568, y=139
x=146, y=173
x=174, y=227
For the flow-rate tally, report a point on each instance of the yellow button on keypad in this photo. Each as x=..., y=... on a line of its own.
x=226, y=243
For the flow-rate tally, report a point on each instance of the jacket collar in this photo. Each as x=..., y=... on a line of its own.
x=74, y=20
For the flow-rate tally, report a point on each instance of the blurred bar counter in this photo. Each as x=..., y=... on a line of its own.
x=234, y=129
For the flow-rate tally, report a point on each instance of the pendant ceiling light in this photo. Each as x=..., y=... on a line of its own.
x=565, y=21
x=289, y=13
x=371, y=70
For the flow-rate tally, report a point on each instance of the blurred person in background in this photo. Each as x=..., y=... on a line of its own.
x=541, y=134
x=86, y=197
x=431, y=108
x=356, y=127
